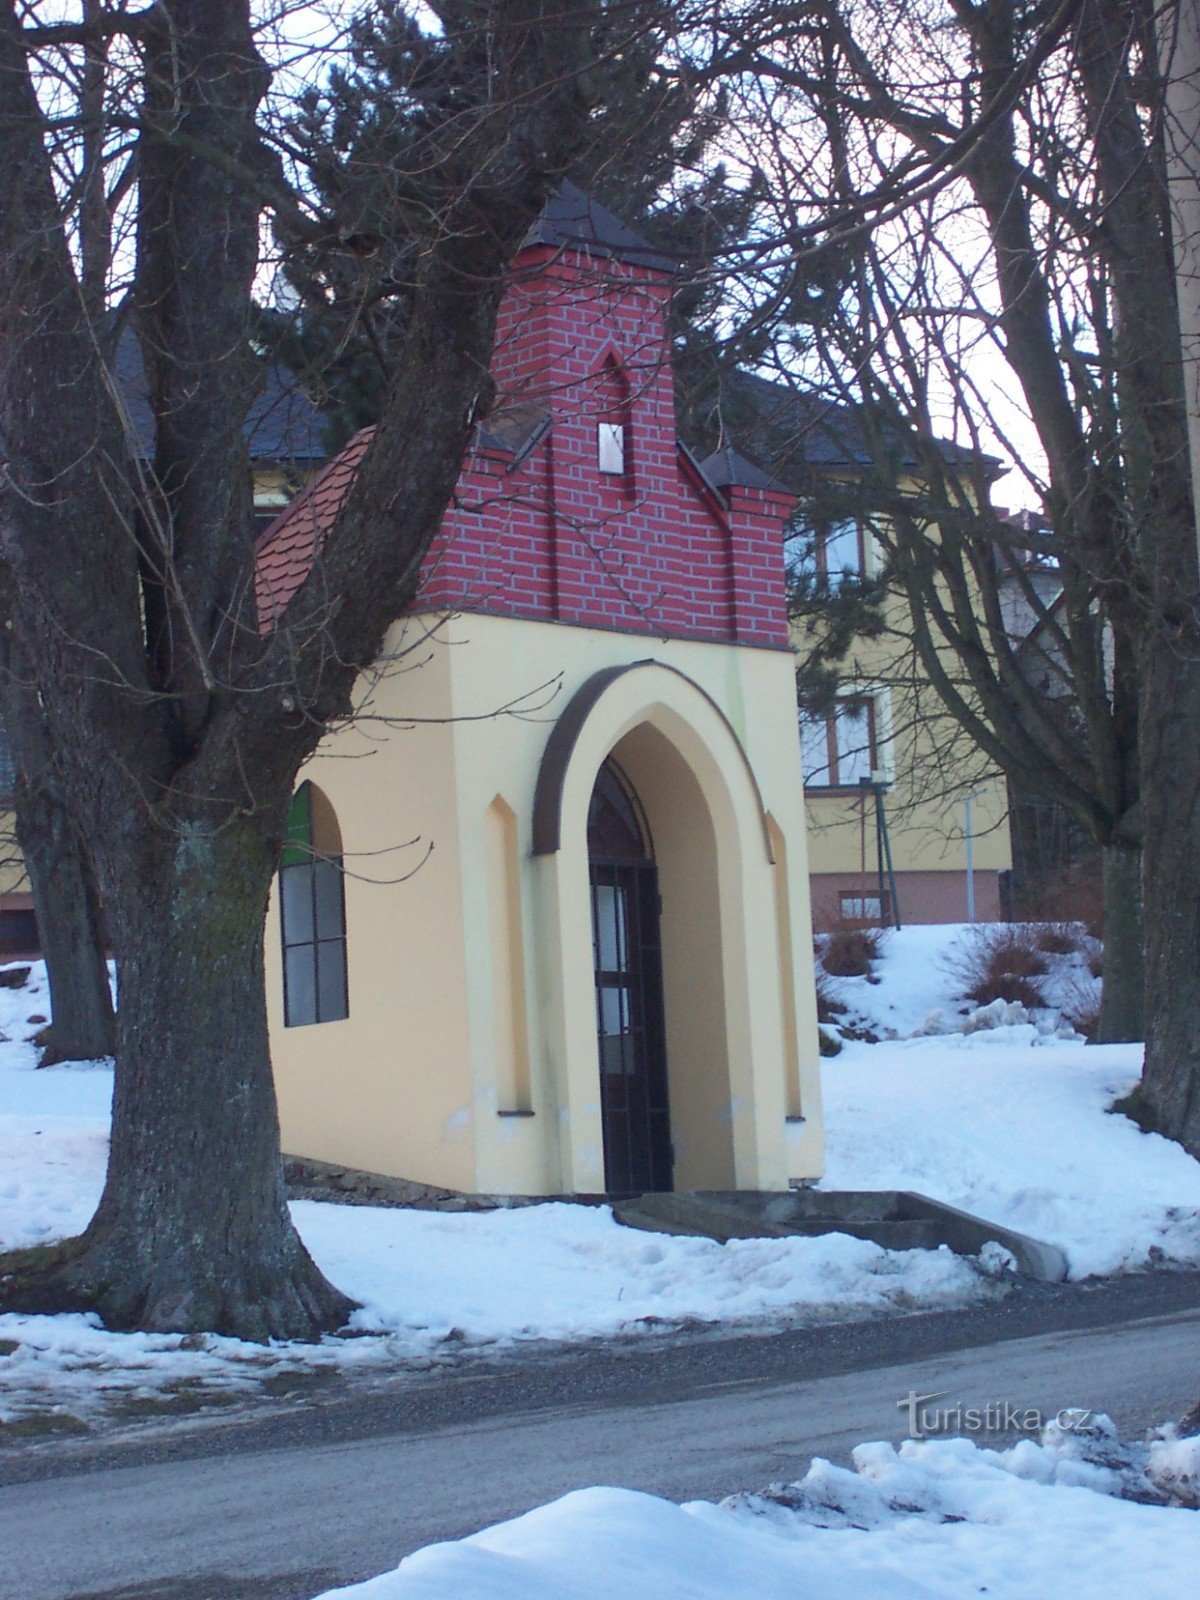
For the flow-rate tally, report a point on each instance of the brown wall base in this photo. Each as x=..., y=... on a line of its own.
x=924, y=897
x=18, y=926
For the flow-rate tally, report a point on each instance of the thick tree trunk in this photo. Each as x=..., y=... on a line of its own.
x=1168, y=1098
x=193, y=1230
x=60, y=874
x=1121, y=1009
x=70, y=925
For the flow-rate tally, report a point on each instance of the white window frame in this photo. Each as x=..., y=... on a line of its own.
x=864, y=899
x=884, y=769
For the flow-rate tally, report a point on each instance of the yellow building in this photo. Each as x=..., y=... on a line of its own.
x=907, y=818
x=542, y=924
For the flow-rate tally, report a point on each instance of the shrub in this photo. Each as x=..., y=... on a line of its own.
x=830, y=1044
x=849, y=952
x=1010, y=986
x=1060, y=938
x=828, y=1005
x=1001, y=961
x=1081, y=1008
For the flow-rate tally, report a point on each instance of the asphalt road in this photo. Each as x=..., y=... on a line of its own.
x=293, y=1500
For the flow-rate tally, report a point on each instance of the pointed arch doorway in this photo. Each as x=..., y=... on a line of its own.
x=627, y=961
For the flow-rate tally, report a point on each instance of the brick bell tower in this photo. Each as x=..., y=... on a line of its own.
x=578, y=502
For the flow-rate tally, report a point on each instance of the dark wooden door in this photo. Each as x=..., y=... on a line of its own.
x=629, y=1006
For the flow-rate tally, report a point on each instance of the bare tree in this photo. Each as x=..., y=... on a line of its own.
x=177, y=725
x=972, y=197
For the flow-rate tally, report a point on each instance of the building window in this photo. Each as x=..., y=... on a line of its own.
x=858, y=907
x=830, y=553
x=840, y=749
x=610, y=448
x=312, y=901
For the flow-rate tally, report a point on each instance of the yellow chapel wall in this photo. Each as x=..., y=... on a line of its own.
x=474, y=1066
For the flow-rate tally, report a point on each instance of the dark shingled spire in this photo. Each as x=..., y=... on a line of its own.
x=574, y=220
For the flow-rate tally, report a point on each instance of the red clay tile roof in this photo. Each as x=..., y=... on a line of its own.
x=288, y=546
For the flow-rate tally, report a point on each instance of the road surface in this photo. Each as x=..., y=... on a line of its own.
x=289, y=1502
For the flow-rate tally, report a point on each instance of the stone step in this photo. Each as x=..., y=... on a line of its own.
x=897, y=1219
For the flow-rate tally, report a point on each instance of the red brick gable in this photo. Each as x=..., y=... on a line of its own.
x=535, y=528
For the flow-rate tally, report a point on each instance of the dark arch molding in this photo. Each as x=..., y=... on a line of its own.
x=564, y=736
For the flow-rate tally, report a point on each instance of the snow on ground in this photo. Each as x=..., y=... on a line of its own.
x=916, y=983
x=53, y=1125
x=428, y=1281
x=909, y=983
x=932, y=1521
x=572, y=1272
x=1009, y=1122
x=1016, y=1130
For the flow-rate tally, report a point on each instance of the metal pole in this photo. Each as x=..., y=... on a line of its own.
x=881, y=814
x=968, y=805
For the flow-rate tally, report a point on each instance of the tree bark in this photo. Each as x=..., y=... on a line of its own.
x=70, y=926
x=179, y=727
x=61, y=876
x=1167, y=1100
x=1121, y=1010
x=174, y=1245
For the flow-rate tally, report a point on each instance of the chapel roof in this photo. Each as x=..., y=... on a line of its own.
x=573, y=219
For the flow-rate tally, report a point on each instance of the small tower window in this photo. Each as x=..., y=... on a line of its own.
x=313, y=911
x=610, y=448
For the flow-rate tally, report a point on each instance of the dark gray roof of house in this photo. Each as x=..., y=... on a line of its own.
x=282, y=424
x=794, y=429
x=572, y=218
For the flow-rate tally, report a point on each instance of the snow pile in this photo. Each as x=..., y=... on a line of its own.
x=1022, y=1136
x=998, y=1014
x=1077, y=1448
x=562, y=1271
x=942, y=1519
x=1173, y=1467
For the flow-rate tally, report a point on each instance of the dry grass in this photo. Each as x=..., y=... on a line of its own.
x=1060, y=938
x=829, y=1007
x=1001, y=961
x=1081, y=1007
x=850, y=952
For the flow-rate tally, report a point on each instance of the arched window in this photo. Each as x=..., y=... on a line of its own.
x=614, y=444
x=312, y=903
